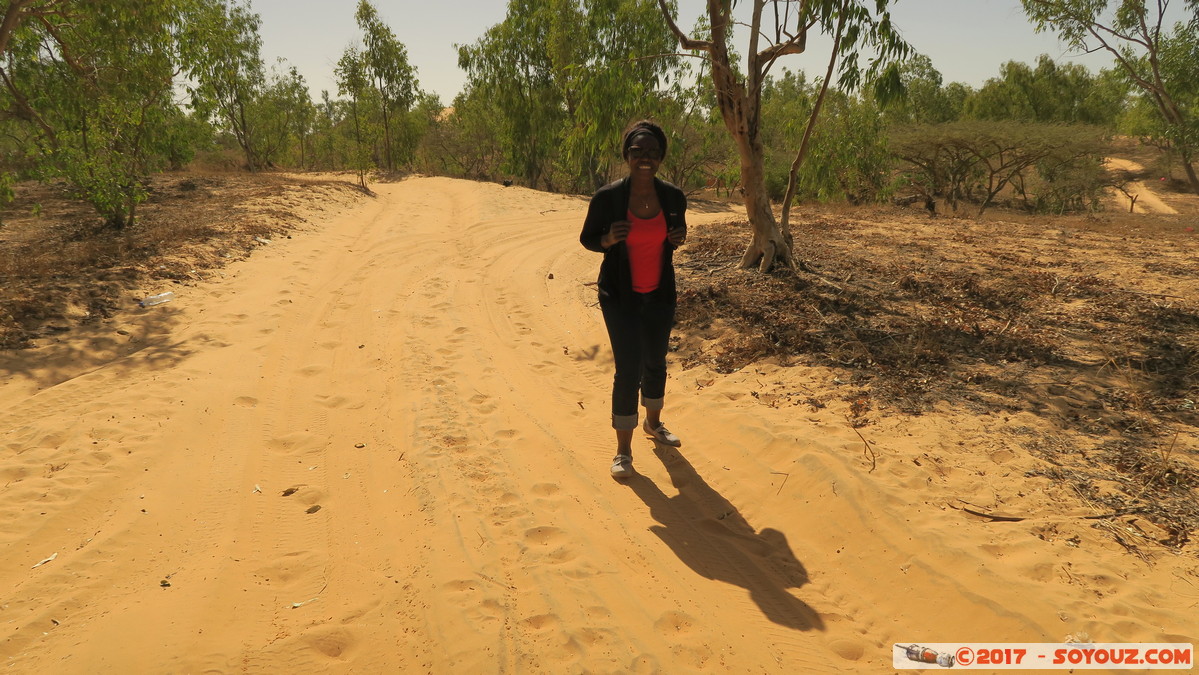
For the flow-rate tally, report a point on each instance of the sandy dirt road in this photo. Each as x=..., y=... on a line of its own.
x=430, y=371
x=1147, y=201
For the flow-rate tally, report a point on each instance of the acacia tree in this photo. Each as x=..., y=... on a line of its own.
x=977, y=161
x=1134, y=33
x=851, y=27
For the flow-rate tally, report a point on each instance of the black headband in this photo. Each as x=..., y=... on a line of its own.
x=631, y=137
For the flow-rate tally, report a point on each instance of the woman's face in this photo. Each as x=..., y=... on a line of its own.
x=644, y=156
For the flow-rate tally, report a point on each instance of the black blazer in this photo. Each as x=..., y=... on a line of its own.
x=610, y=204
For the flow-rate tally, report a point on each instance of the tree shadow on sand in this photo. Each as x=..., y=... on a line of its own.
x=143, y=345
x=708, y=534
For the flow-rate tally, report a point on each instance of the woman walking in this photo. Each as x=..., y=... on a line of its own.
x=637, y=222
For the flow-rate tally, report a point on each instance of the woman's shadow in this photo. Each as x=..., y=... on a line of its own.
x=708, y=534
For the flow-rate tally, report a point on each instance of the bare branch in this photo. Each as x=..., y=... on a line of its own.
x=795, y=45
x=685, y=41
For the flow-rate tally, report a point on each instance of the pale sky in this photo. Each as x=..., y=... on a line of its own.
x=967, y=40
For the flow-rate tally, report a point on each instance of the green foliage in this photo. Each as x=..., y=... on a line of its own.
x=353, y=81
x=462, y=141
x=1041, y=166
x=1178, y=62
x=281, y=113
x=92, y=83
x=700, y=153
x=1048, y=92
x=567, y=76
x=221, y=54
x=385, y=65
x=7, y=180
x=1158, y=61
x=848, y=157
x=926, y=99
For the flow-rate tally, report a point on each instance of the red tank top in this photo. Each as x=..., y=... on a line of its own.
x=644, y=243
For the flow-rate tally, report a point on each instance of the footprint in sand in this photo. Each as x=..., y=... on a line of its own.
x=542, y=622
x=544, y=536
x=483, y=403
x=674, y=623
x=334, y=643
x=849, y=649
x=331, y=401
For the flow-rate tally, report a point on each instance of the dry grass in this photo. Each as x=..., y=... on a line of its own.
x=59, y=265
x=1092, y=325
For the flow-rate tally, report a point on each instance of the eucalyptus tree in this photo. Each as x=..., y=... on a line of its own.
x=569, y=75
x=387, y=68
x=927, y=99
x=463, y=141
x=509, y=67
x=847, y=160
x=851, y=27
x=1047, y=92
x=1157, y=58
x=353, y=82
x=700, y=154
x=222, y=56
x=282, y=110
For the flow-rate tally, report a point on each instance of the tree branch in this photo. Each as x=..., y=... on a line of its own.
x=793, y=176
x=684, y=41
x=64, y=49
x=27, y=110
x=795, y=45
x=12, y=16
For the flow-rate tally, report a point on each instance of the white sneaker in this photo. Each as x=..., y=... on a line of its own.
x=661, y=434
x=622, y=466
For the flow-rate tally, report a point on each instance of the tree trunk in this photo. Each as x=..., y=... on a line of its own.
x=739, y=111
x=1189, y=167
x=769, y=246
x=387, y=136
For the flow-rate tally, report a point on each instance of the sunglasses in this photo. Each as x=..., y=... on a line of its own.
x=638, y=152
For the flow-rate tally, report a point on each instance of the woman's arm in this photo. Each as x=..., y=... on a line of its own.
x=595, y=226
x=676, y=233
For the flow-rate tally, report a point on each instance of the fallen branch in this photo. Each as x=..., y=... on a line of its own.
x=867, y=451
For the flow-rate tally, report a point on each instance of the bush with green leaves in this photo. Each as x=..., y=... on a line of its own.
x=848, y=159
x=92, y=83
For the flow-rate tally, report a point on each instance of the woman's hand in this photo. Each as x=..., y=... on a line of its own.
x=677, y=236
x=616, y=234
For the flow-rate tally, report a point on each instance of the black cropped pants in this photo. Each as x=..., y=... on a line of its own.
x=640, y=336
